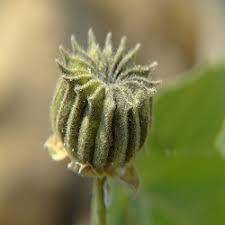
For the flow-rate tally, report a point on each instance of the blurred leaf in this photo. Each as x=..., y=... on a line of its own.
x=220, y=140
x=185, y=183
x=188, y=117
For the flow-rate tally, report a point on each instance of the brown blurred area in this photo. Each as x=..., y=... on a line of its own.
x=178, y=34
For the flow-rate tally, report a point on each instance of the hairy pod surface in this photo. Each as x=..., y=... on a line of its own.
x=101, y=109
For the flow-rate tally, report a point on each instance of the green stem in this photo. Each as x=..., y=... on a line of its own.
x=98, y=209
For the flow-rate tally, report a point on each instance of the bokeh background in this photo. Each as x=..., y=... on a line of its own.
x=178, y=34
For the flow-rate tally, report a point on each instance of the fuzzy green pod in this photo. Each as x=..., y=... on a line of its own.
x=101, y=110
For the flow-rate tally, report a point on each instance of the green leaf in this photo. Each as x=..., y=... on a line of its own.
x=220, y=140
x=182, y=173
x=188, y=117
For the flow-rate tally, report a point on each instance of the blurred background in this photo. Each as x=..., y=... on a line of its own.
x=178, y=34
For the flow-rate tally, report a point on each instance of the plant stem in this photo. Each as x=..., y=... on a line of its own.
x=98, y=209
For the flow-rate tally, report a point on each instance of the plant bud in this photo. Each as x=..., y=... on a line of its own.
x=101, y=109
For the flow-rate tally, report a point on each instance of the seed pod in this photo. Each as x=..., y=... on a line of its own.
x=101, y=110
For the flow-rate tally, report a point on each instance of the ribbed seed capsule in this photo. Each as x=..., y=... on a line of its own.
x=101, y=110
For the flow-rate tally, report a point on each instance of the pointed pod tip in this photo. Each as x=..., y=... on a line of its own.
x=108, y=37
x=124, y=39
x=62, y=67
x=109, y=34
x=61, y=47
x=59, y=64
x=91, y=38
x=154, y=64
x=156, y=82
x=57, y=61
x=90, y=31
x=138, y=45
x=73, y=40
x=72, y=37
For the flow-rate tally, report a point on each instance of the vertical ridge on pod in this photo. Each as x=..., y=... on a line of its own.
x=81, y=89
x=143, y=105
x=134, y=134
x=56, y=102
x=89, y=125
x=104, y=138
x=119, y=129
x=74, y=122
x=144, y=115
x=133, y=127
x=64, y=109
